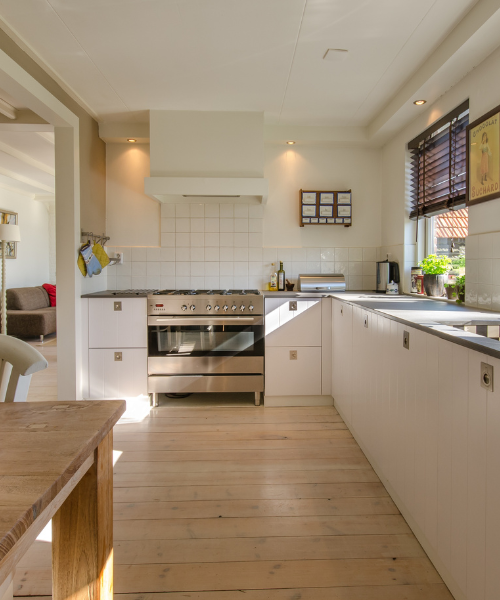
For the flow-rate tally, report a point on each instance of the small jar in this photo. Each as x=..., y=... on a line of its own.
x=415, y=272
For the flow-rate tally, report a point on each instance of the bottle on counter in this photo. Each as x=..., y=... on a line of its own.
x=273, y=280
x=281, y=278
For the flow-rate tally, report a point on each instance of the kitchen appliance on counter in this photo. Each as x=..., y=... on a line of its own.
x=205, y=341
x=322, y=283
x=387, y=272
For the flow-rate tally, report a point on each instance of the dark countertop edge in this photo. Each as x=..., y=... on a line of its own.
x=111, y=294
x=481, y=346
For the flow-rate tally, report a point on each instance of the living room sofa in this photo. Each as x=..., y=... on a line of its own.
x=29, y=313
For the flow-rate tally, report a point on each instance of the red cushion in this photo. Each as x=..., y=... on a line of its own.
x=51, y=291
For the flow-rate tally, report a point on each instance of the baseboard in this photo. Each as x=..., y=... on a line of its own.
x=448, y=579
x=298, y=401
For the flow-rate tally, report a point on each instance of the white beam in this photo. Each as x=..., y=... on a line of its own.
x=11, y=188
x=8, y=110
x=25, y=158
x=27, y=180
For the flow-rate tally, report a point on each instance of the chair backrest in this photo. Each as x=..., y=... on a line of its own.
x=18, y=362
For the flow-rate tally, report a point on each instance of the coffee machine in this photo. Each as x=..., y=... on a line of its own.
x=387, y=271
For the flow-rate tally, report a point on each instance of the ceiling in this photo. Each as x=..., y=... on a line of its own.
x=124, y=57
x=121, y=58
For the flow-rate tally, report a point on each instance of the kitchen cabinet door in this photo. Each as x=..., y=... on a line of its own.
x=118, y=323
x=342, y=357
x=286, y=377
x=110, y=378
x=285, y=327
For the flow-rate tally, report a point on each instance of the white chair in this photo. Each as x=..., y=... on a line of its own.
x=18, y=362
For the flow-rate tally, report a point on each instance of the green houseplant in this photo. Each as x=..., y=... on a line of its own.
x=460, y=287
x=451, y=290
x=435, y=269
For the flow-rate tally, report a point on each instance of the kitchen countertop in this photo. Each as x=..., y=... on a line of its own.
x=429, y=315
x=119, y=294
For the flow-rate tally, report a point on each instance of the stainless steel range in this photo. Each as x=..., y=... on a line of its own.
x=205, y=341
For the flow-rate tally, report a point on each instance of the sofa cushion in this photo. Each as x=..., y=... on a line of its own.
x=28, y=298
x=31, y=323
x=51, y=291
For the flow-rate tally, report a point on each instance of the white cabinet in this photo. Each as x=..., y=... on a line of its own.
x=300, y=377
x=295, y=328
x=120, y=323
x=116, y=348
x=432, y=433
x=117, y=372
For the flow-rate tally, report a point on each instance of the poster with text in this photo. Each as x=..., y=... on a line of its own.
x=484, y=159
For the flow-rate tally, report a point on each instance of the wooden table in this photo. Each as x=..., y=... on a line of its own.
x=56, y=462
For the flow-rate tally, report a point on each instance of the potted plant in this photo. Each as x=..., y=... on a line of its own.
x=435, y=269
x=451, y=290
x=460, y=286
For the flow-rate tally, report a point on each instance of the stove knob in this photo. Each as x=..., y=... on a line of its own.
x=225, y=307
x=250, y=308
x=209, y=307
x=192, y=307
x=242, y=307
x=184, y=307
x=216, y=308
x=233, y=307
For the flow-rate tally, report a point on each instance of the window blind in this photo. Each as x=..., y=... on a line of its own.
x=438, y=165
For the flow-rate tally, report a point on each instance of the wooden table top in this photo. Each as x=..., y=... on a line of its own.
x=42, y=445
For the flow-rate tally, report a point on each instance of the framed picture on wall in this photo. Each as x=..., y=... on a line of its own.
x=11, y=218
x=344, y=198
x=326, y=211
x=326, y=198
x=309, y=210
x=308, y=197
x=343, y=211
x=483, y=158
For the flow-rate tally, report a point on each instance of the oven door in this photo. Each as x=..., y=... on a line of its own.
x=205, y=345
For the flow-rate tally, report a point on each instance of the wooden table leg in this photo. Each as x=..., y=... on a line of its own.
x=82, y=534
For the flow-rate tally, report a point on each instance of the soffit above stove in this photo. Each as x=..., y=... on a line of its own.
x=207, y=157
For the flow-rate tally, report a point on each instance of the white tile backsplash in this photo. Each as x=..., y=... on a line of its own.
x=212, y=245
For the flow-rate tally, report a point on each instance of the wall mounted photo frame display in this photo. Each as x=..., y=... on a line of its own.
x=325, y=207
x=309, y=197
x=326, y=197
x=483, y=158
x=309, y=210
x=11, y=218
x=344, y=198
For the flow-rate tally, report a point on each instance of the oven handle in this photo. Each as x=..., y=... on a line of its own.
x=202, y=320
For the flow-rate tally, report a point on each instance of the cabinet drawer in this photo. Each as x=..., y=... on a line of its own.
x=301, y=327
x=110, y=378
x=123, y=328
x=285, y=377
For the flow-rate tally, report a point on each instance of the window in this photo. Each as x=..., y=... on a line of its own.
x=446, y=235
x=438, y=165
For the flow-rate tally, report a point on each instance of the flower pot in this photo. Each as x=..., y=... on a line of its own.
x=434, y=284
x=451, y=292
x=461, y=296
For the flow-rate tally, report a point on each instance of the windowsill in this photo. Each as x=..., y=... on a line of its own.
x=440, y=298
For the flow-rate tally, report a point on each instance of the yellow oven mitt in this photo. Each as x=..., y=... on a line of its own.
x=81, y=263
x=101, y=255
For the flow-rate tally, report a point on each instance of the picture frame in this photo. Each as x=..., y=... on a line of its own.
x=308, y=197
x=326, y=197
x=344, y=211
x=309, y=210
x=11, y=218
x=339, y=220
x=322, y=221
x=344, y=198
x=330, y=220
x=314, y=220
x=305, y=220
x=483, y=158
x=326, y=211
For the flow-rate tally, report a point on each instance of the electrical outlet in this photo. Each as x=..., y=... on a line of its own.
x=292, y=305
x=293, y=354
x=119, y=256
x=406, y=340
x=118, y=356
x=117, y=306
x=487, y=376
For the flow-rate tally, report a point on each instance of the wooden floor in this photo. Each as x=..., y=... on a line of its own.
x=43, y=386
x=218, y=503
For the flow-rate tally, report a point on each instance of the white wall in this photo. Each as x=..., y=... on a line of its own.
x=482, y=87
x=31, y=267
x=233, y=245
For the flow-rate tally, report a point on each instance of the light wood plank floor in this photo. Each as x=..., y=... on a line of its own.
x=43, y=386
x=221, y=503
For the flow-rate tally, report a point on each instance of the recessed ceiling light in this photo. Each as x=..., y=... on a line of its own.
x=131, y=140
x=335, y=54
x=291, y=142
x=420, y=102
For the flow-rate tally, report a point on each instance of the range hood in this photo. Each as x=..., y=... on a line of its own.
x=207, y=157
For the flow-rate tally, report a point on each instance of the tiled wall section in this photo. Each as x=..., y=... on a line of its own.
x=220, y=246
x=482, y=268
